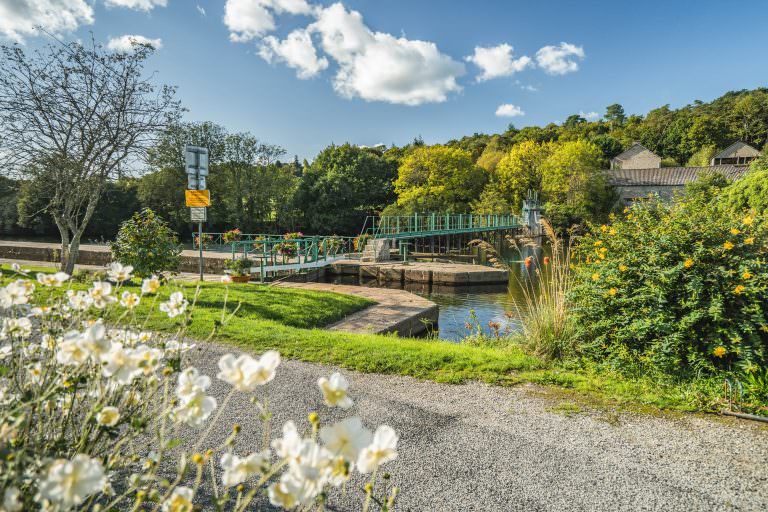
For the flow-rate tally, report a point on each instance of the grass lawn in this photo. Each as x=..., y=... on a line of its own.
x=290, y=320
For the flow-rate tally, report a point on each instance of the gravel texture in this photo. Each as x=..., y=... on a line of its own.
x=475, y=447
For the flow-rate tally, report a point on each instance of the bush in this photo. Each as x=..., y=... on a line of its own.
x=232, y=236
x=680, y=288
x=749, y=192
x=147, y=244
x=239, y=266
x=90, y=411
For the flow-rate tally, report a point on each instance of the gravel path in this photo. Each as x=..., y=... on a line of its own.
x=480, y=448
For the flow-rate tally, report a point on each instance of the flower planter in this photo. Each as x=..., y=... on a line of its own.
x=240, y=279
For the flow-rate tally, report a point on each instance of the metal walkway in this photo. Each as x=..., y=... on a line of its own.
x=421, y=225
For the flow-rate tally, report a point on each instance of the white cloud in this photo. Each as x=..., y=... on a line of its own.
x=590, y=116
x=509, y=110
x=125, y=43
x=528, y=87
x=139, y=5
x=297, y=51
x=252, y=19
x=376, y=66
x=561, y=59
x=19, y=18
x=200, y=9
x=497, y=61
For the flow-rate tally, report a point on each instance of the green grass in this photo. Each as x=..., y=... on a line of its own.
x=289, y=320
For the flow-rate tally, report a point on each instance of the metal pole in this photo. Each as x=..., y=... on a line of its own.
x=200, y=246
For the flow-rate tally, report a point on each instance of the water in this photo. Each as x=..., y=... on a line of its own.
x=476, y=305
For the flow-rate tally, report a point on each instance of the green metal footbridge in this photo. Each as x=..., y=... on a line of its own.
x=422, y=225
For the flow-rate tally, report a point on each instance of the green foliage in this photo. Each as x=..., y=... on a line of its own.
x=343, y=185
x=676, y=288
x=702, y=157
x=707, y=186
x=239, y=266
x=748, y=193
x=440, y=179
x=147, y=243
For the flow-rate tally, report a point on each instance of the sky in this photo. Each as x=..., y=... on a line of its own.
x=307, y=73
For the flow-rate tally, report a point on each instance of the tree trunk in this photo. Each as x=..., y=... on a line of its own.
x=74, y=252
x=64, y=232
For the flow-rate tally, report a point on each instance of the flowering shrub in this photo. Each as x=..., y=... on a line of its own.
x=332, y=245
x=79, y=398
x=231, y=236
x=679, y=288
x=360, y=241
x=148, y=244
x=289, y=248
x=207, y=241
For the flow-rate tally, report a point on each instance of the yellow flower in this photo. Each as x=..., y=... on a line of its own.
x=746, y=275
x=764, y=328
x=603, y=228
x=747, y=221
x=739, y=289
x=688, y=263
x=735, y=231
x=612, y=231
x=622, y=268
x=728, y=246
x=749, y=241
x=595, y=276
x=719, y=351
x=626, y=210
x=613, y=291
x=598, y=243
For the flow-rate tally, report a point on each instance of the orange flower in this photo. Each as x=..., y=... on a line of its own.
x=719, y=351
x=739, y=289
x=546, y=260
x=528, y=261
x=688, y=263
x=728, y=246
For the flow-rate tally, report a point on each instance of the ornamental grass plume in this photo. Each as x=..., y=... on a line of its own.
x=89, y=402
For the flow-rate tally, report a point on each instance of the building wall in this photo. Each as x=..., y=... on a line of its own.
x=644, y=160
x=629, y=194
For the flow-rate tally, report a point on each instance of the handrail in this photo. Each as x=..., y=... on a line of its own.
x=426, y=224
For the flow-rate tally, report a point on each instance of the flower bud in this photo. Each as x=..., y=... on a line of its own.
x=197, y=458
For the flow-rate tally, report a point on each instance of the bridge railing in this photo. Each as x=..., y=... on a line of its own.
x=427, y=224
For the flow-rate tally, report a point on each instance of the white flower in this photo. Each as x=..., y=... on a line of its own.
x=20, y=327
x=119, y=273
x=71, y=350
x=381, y=450
x=289, y=445
x=129, y=300
x=311, y=469
x=35, y=372
x=284, y=493
x=346, y=438
x=56, y=279
x=121, y=364
x=100, y=294
x=245, y=372
x=108, y=417
x=94, y=341
x=6, y=351
x=226, y=279
x=147, y=358
x=79, y=301
x=180, y=500
x=178, y=346
x=175, y=306
x=335, y=391
x=151, y=285
x=239, y=469
x=195, y=408
x=69, y=482
x=12, y=500
x=17, y=293
x=145, y=336
x=190, y=381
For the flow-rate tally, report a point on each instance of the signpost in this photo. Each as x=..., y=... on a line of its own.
x=198, y=198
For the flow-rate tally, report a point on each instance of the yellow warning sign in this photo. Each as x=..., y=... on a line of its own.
x=198, y=198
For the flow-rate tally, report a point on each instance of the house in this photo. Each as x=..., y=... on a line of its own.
x=636, y=157
x=738, y=153
x=637, y=172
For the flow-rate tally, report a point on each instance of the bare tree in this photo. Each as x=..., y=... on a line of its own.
x=74, y=116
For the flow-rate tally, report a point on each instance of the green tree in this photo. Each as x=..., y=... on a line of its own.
x=341, y=187
x=521, y=170
x=438, y=178
x=614, y=114
x=147, y=243
x=702, y=157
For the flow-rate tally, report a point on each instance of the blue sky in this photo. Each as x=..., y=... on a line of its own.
x=400, y=69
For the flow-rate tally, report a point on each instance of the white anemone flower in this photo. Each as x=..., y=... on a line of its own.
x=335, y=391
x=12, y=500
x=150, y=285
x=191, y=381
x=119, y=273
x=180, y=500
x=179, y=347
x=312, y=469
x=288, y=446
x=68, y=483
x=245, y=372
x=95, y=342
x=381, y=450
x=195, y=408
x=121, y=364
x=6, y=351
x=108, y=416
x=175, y=306
x=79, y=301
x=56, y=279
x=18, y=293
x=129, y=300
x=285, y=493
x=71, y=351
x=100, y=293
x=147, y=358
x=239, y=469
x=18, y=327
x=346, y=438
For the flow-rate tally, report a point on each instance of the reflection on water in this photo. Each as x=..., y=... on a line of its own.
x=490, y=303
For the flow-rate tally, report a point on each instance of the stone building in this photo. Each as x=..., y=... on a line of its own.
x=738, y=153
x=636, y=157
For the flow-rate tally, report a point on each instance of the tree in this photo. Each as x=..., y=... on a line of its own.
x=614, y=114
x=702, y=157
x=521, y=170
x=342, y=186
x=147, y=244
x=74, y=117
x=438, y=179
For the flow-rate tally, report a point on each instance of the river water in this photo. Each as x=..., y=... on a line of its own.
x=465, y=308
